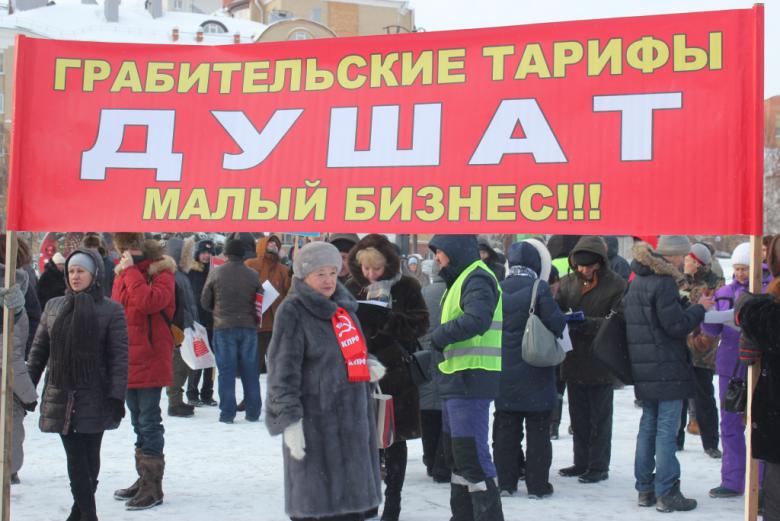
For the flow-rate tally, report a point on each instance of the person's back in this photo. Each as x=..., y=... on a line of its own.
x=230, y=294
x=657, y=325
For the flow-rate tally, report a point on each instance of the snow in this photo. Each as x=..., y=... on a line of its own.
x=218, y=471
x=72, y=20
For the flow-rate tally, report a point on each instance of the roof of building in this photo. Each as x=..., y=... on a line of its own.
x=72, y=20
x=395, y=4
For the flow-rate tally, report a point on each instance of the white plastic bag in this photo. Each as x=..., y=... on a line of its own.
x=195, y=350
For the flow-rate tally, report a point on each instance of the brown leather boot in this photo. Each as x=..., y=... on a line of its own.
x=123, y=494
x=150, y=493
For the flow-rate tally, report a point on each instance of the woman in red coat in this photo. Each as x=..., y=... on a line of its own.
x=145, y=287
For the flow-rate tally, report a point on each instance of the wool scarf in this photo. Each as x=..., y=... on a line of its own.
x=74, y=358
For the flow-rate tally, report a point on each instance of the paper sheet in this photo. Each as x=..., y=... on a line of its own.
x=269, y=295
x=719, y=317
x=565, y=342
x=380, y=303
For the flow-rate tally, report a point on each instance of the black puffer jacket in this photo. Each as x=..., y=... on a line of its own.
x=478, y=300
x=581, y=365
x=760, y=321
x=87, y=409
x=617, y=263
x=657, y=325
x=394, y=339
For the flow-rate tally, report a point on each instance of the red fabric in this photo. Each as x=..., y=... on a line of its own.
x=144, y=296
x=404, y=133
x=353, y=346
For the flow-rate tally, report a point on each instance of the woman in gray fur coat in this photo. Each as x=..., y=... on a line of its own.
x=319, y=395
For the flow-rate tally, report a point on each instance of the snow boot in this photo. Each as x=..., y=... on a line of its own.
x=460, y=503
x=674, y=501
x=123, y=494
x=150, y=493
x=487, y=503
x=395, y=472
x=646, y=499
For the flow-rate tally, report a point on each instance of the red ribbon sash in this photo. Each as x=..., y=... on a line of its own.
x=353, y=346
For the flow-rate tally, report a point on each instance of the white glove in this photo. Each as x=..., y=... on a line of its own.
x=376, y=370
x=295, y=440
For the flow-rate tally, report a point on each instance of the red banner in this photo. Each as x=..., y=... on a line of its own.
x=640, y=125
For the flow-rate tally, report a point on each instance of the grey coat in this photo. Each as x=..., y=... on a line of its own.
x=433, y=293
x=23, y=387
x=307, y=379
x=87, y=409
x=229, y=294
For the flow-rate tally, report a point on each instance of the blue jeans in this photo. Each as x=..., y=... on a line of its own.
x=146, y=417
x=236, y=352
x=656, y=445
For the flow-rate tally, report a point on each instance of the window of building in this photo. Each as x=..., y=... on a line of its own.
x=300, y=34
x=777, y=128
x=2, y=60
x=316, y=14
x=277, y=15
x=2, y=102
x=213, y=27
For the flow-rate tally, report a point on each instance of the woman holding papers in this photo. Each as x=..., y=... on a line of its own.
x=732, y=427
x=375, y=270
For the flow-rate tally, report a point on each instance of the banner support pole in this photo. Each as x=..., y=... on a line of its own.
x=753, y=371
x=6, y=379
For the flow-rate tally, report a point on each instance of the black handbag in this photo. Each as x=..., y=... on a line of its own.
x=735, y=400
x=611, y=346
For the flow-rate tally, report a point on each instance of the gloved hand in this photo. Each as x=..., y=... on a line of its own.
x=12, y=297
x=30, y=407
x=376, y=370
x=117, y=408
x=295, y=440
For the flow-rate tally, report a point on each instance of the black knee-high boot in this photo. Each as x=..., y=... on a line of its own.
x=395, y=463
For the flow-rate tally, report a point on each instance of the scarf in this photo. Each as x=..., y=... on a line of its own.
x=353, y=346
x=74, y=359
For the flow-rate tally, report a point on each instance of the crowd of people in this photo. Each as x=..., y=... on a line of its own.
x=352, y=317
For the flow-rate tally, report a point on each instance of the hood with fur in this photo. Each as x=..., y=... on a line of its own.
x=385, y=247
x=181, y=251
x=648, y=262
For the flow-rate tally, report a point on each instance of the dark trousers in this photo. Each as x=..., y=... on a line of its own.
x=706, y=409
x=146, y=417
x=263, y=341
x=771, y=491
x=206, y=390
x=395, y=457
x=82, y=452
x=590, y=408
x=557, y=412
x=180, y=373
x=433, y=444
x=507, y=440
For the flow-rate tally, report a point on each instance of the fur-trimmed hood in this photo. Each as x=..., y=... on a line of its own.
x=385, y=247
x=166, y=263
x=648, y=262
x=182, y=252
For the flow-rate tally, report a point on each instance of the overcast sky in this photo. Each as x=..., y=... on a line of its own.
x=435, y=15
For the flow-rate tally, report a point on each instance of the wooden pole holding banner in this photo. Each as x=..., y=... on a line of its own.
x=756, y=267
x=751, y=466
x=7, y=380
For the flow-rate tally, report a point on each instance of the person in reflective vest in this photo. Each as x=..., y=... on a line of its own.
x=467, y=347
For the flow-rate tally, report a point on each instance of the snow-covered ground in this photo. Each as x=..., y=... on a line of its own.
x=234, y=472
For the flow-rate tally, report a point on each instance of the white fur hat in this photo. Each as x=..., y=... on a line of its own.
x=741, y=255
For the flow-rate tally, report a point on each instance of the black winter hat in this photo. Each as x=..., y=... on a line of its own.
x=586, y=258
x=234, y=247
x=206, y=245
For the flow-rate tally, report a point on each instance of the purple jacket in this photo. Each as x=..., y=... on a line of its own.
x=728, y=349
